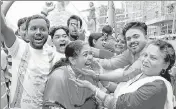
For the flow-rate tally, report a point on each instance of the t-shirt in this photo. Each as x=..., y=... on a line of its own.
x=37, y=70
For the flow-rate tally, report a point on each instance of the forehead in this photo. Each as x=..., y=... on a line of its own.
x=86, y=47
x=38, y=22
x=153, y=50
x=121, y=37
x=60, y=32
x=133, y=31
x=74, y=21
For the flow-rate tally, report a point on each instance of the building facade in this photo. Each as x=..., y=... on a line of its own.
x=158, y=15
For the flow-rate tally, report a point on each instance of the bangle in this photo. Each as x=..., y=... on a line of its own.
x=97, y=77
x=96, y=92
x=105, y=100
x=44, y=13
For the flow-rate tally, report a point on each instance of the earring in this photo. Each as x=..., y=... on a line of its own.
x=163, y=71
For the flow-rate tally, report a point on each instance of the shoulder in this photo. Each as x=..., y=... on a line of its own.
x=155, y=87
x=58, y=73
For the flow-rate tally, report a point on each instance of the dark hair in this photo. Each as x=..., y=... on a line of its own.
x=107, y=29
x=37, y=17
x=76, y=18
x=55, y=28
x=73, y=49
x=92, y=3
x=22, y=21
x=169, y=56
x=139, y=25
x=95, y=36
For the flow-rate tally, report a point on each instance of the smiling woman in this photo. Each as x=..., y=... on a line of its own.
x=60, y=91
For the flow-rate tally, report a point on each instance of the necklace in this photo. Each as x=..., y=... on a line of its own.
x=136, y=79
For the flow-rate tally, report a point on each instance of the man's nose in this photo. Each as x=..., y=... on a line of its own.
x=38, y=32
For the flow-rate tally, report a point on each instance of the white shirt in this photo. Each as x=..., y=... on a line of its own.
x=39, y=64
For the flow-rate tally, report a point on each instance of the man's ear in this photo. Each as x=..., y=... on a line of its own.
x=72, y=60
x=94, y=41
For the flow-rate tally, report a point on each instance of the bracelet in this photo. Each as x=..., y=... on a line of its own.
x=44, y=13
x=105, y=101
x=97, y=77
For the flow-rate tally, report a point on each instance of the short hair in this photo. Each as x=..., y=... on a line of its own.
x=22, y=21
x=137, y=24
x=95, y=36
x=107, y=29
x=76, y=18
x=55, y=28
x=37, y=17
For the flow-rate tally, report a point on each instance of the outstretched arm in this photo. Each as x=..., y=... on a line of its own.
x=6, y=6
x=7, y=33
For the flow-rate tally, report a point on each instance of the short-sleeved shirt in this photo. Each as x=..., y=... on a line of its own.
x=39, y=64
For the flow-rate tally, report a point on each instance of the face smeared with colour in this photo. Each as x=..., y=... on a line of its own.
x=136, y=40
x=153, y=61
x=85, y=57
x=60, y=40
x=37, y=33
x=73, y=28
x=120, y=46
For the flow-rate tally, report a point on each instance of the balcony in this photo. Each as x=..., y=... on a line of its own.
x=158, y=20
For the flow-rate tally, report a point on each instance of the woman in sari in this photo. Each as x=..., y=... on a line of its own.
x=60, y=91
x=149, y=90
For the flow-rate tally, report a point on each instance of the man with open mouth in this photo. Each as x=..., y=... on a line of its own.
x=60, y=39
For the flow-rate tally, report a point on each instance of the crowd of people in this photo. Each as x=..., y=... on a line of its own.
x=44, y=67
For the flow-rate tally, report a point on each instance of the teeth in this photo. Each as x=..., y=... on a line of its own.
x=62, y=44
x=134, y=45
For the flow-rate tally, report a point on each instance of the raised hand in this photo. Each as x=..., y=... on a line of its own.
x=49, y=6
x=3, y=22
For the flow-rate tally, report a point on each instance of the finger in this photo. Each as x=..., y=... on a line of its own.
x=79, y=76
x=74, y=80
x=81, y=71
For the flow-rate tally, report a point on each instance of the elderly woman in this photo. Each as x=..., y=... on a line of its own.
x=62, y=92
x=149, y=90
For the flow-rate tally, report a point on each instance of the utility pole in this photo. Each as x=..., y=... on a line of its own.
x=111, y=16
x=174, y=18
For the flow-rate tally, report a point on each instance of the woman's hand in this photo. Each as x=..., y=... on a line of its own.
x=82, y=83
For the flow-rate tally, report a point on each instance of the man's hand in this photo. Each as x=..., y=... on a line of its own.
x=49, y=6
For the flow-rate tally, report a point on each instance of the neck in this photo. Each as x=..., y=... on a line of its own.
x=77, y=73
x=35, y=48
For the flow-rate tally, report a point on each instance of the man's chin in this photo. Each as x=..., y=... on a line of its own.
x=37, y=46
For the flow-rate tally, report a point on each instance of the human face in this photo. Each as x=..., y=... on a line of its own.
x=90, y=4
x=85, y=57
x=22, y=29
x=37, y=33
x=22, y=32
x=99, y=43
x=73, y=27
x=136, y=40
x=153, y=61
x=120, y=46
x=60, y=40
